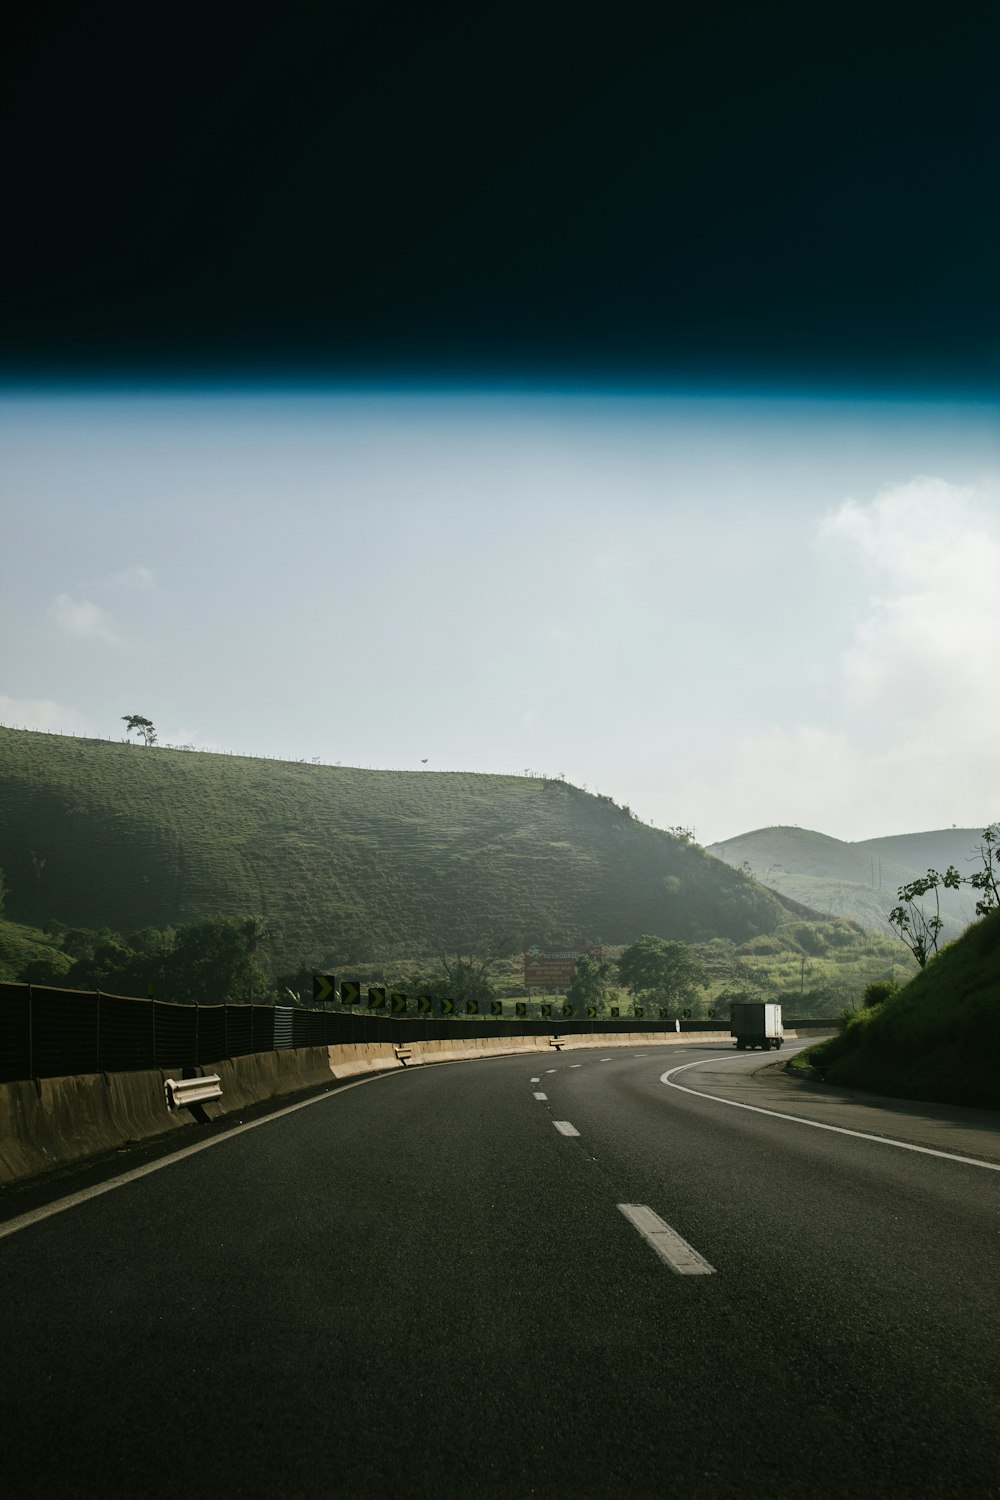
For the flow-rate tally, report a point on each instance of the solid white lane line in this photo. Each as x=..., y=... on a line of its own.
x=565, y=1128
x=862, y=1135
x=541, y=1096
x=75, y=1199
x=674, y=1251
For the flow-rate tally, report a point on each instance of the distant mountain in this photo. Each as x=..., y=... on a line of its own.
x=95, y=833
x=855, y=880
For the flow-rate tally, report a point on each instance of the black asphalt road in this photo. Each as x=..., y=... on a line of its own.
x=419, y=1286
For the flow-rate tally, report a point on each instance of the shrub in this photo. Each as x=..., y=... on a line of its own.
x=879, y=991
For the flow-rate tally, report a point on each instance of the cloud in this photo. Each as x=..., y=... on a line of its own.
x=138, y=579
x=921, y=660
x=83, y=619
x=912, y=717
x=41, y=713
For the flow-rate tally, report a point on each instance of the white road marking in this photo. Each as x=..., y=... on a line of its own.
x=565, y=1128
x=541, y=1096
x=862, y=1135
x=551, y=1070
x=535, y=1080
x=576, y=1065
x=75, y=1199
x=604, y=1059
x=674, y=1251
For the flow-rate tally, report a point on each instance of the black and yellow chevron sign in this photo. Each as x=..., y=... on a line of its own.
x=376, y=998
x=424, y=1004
x=398, y=1002
x=615, y=1012
x=664, y=1013
x=447, y=1007
x=591, y=1013
x=546, y=1011
x=324, y=986
x=350, y=992
x=520, y=1009
x=638, y=1012
x=496, y=1007
x=472, y=1007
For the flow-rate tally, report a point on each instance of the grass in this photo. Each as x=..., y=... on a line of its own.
x=938, y=1039
x=341, y=859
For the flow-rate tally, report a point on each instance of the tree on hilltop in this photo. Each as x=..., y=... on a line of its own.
x=142, y=726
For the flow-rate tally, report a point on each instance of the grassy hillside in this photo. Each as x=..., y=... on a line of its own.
x=857, y=881
x=939, y=1038
x=101, y=834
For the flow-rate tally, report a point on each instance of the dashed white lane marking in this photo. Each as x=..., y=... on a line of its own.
x=535, y=1080
x=541, y=1096
x=604, y=1059
x=862, y=1135
x=565, y=1128
x=674, y=1251
x=550, y=1070
x=576, y=1065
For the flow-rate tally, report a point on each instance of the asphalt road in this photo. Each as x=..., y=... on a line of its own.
x=422, y=1286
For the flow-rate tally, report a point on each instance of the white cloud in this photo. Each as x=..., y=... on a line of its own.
x=138, y=579
x=912, y=725
x=41, y=713
x=83, y=619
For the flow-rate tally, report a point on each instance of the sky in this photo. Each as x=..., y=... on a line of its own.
x=727, y=613
x=480, y=387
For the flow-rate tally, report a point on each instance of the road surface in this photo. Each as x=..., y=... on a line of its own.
x=554, y=1276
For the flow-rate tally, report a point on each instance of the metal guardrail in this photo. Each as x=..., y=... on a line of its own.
x=182, y=1092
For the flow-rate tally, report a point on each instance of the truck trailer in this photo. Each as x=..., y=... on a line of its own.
x=756, y=1023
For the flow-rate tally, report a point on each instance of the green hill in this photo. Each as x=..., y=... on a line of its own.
x=99, y=834
x=858, y=881
x=938, y=1038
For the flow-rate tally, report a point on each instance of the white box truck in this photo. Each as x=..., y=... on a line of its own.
x=756, y=1023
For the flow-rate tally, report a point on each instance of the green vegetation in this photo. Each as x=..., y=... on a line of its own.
x=856, y=881
x=662, y=973
x=937, y=1038
x=346, y=861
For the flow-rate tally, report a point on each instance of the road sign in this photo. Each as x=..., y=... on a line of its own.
x=687, y=1013
x=447, y=1007
x=591, y=1013
x=424, y=1004
x=567, y=1011
x=324, y=986
x=350, y=992
x=664, y=1013
x=615, y=1012
x=472, y=1007
x=496, y=1007
x=520, y=1009
x=376, y=998
x=552, y=968
x=638, y=1012
x=398, y=1002
x=546, y=1011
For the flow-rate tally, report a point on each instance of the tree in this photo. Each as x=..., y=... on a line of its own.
x=663, y=973
x=144, y=727
x=591, y=985
x=211, y=963
x=987, y=879
x=917, y=928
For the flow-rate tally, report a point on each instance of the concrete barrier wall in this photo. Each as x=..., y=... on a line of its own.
x=49, y=1122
